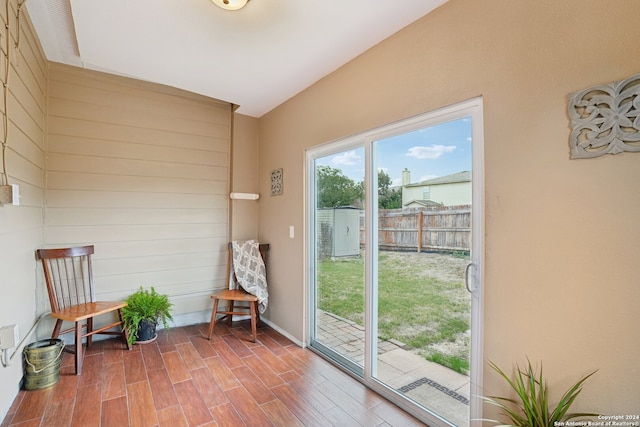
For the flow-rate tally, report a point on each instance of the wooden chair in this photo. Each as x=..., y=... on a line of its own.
x=237, y=295
x=69, y=279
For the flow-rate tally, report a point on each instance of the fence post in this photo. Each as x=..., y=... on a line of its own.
x=419, y=231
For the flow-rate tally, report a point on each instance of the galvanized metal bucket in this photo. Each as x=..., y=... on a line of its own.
x=42, y=363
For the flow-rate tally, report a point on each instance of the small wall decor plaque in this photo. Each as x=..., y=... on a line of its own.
x=605, y=119
x=276, y=182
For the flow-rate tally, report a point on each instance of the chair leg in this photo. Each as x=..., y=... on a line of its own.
x=89, y=329
x=230, y=316
x=212, y=323
x=79, y=352
x=254, y=308
x=56, y=329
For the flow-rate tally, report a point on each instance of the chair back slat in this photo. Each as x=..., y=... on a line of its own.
x=68, y=276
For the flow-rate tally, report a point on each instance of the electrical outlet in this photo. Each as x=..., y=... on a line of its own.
x=10, y=195
x=9, y=336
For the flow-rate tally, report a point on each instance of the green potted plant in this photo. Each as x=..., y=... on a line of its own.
x=144, y=309
x=532, y=407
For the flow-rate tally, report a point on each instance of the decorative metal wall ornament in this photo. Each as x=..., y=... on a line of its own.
x=277, y=182
x=605, y=119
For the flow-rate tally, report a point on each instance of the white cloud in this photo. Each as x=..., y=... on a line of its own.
x=346, y=158
x=431, y=152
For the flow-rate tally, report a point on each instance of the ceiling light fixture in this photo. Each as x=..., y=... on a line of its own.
x=230, y=4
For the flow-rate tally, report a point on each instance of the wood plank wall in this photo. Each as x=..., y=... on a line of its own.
x=20, y=226
x=141, y=171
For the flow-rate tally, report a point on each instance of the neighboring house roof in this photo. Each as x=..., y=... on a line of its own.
x=424, y=203
x=464, y=176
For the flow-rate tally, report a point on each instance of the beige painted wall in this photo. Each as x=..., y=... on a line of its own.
x=561, y=284
x=21, y=226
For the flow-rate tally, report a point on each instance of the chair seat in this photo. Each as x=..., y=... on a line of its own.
x=79, y=312
x=235, y=295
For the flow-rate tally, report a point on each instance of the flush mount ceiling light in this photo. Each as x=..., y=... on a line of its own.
x=230, y=4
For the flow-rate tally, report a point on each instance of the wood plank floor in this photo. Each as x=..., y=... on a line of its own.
x=182, y=379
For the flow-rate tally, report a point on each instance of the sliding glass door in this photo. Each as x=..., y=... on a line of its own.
x=395, y=244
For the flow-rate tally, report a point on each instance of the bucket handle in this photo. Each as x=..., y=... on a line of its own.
x=50, y=364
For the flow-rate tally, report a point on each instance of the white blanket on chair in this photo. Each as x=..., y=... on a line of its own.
x=249, y=270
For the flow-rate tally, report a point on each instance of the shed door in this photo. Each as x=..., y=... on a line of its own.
x=347, y=232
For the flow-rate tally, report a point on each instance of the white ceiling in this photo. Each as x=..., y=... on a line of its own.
x=257, y=57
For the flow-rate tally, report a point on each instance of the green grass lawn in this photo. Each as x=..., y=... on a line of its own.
x=422, y=301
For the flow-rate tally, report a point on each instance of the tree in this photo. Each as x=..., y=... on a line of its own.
x=388, y=198
x=335, y=189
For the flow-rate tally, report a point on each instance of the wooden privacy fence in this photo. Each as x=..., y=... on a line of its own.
x=419, y=229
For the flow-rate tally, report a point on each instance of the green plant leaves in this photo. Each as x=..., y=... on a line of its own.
x=145, y=304
x=532, y=407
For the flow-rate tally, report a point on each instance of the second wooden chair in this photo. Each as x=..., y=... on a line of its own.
x=233, y=296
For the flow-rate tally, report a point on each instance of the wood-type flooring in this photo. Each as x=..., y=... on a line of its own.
x=183, y=379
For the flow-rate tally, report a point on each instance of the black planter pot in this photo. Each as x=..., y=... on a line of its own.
x=146, y=331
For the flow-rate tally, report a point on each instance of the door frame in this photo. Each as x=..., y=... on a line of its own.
x=470, y=108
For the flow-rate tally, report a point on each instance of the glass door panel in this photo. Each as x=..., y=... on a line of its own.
x=422, y=308
x=339, y=279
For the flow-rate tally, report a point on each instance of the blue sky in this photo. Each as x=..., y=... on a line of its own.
x=428, y=153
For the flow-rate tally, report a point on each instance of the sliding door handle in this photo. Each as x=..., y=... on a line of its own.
x=468, y=277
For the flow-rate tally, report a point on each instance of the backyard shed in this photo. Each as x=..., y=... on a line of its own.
x=338, y=231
